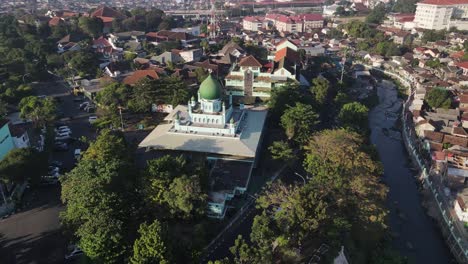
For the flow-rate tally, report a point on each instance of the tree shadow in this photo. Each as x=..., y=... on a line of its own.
x=47, y=247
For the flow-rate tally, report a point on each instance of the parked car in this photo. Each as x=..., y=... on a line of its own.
x=83, y=105
x=60, y=134
x=56, y=163
x=63, y=137
x=78, y=99
x=47, y=180
x=53, y=169
x=75, y=252
x=91, y=109
x=60, y=146
x=92, y=119
x=62, y=128
x=77, y=153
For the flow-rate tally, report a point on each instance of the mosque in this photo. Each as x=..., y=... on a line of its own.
x=228, y=136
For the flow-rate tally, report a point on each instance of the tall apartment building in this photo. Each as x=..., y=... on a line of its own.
x=441, y=14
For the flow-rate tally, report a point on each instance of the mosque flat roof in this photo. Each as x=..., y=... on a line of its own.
x=243, y=145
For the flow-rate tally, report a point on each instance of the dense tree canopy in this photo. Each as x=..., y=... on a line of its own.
x=354, y=115
x=166, y=90
x=320, y=89
x=40, y=110
x=91, y=25
x=438, y=97
x=151, y=246
x=23, y=164
x=377, y=14
x=298, y=122
x=96, y=195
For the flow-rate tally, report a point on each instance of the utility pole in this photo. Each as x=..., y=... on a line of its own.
x=121, y=119
x=343, y=66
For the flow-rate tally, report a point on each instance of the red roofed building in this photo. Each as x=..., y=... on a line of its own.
x=436, y=14
x=252, y=23
x=55, y=21
x=136, y=76
x=296, y=23
x=464, y=66
x=107, y=15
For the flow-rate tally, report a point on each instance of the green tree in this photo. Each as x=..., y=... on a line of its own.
x=40, y=111
x=407, y=6
x=151, y=246
x=283, y=96
x=377, y=14
x=84, y=62
x=91, y=25
x=114, y=95
x=298, y=122
x=354, y=115
x=185, y=197
x=438, y=97
x=280, y=150
x=98, y=195
x=23, y=164
x=320, y=89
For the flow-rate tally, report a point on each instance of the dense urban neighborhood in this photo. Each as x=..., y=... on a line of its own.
x=309, y=131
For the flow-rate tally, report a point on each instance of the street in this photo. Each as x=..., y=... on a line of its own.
x=33, y=235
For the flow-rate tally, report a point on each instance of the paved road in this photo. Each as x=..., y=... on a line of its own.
x=33, y=235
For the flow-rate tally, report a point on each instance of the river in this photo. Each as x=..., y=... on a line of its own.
x=416, y=235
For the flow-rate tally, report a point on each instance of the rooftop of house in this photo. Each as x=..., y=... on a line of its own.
x=443, y=2
x=105, y=11
x=226, y=175
x=249, y=61
x=138, y=75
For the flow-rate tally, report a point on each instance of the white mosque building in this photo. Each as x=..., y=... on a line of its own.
x=228, y=136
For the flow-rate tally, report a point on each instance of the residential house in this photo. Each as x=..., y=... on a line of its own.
x=68, y=43
x=191, y=55
x=6, y=140
x=138, y=75
x=252, y=23
x=166, y=57
x=463, y=66
x=461, y=205
x=107, y=15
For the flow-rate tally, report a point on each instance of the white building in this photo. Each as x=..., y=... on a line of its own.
x=460, y=207
x=296, y=23
x=228, y=137
x=437, y=14
x=191, y=55
x=252, y=23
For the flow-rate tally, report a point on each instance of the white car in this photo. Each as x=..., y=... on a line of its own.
x=65, y=133
x=61, y=127
x=63, y=130
x=77, y=153
x=92, y=119
x=63, y=137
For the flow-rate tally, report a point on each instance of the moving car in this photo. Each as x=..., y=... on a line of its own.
x=84, y=105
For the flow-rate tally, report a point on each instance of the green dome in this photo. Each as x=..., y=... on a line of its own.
x=210, y=89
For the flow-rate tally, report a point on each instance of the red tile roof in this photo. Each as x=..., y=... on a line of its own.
x=140, y=74
x=106, y=19
x=463, y=64
x=444, y=2
x=105, y=11
x=463, y=98
x=103, y=42
x=250, y=61
x=288, y=53
x=55, y=21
